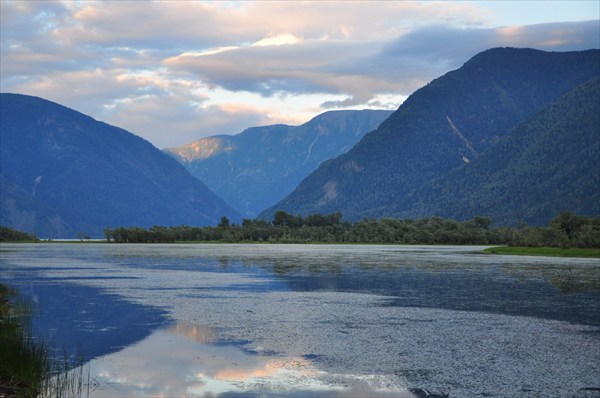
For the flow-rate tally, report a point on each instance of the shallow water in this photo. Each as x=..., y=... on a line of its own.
x=315, y=320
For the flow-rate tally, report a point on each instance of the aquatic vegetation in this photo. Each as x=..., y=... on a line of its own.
x=24, y=362
x=545, y=251
x=27, y=369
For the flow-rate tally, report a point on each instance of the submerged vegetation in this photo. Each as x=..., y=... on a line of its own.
x=27, y=368
x=567, y=230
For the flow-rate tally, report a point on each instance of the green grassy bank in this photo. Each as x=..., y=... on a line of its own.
x=545, y=251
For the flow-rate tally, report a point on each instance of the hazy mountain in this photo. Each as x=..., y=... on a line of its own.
x=64, y=172
x=258, y=167
x=441, y=127
x=546, y=165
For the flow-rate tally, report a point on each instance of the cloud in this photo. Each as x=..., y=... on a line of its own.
x=363, y=69
x=176, y=71
x=452, y=45
x=172, y=120
x=293, y=68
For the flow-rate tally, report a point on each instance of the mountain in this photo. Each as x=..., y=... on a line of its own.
x=63, y=173
x=441, y=127
x=258, y=167
x=546, y=165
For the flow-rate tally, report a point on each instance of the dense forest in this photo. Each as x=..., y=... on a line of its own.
x=8, y=234
x=550, y=162
x=565, y=230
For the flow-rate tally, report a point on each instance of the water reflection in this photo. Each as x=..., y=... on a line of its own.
x=449, y=277
x=334, y=260
x=84, y=320
x=326, y=320
x=200, y=334
x=567, y=279
x=181, y=360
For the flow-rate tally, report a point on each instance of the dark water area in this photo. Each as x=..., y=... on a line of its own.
x=315, y=320
x=487, y=291
x=84, y=321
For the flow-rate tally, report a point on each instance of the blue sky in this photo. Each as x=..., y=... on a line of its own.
x=520, y=12
x=175, y=71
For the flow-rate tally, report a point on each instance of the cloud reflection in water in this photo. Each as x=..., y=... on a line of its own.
x=183, y=360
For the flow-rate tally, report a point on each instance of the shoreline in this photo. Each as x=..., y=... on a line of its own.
x=490, y=249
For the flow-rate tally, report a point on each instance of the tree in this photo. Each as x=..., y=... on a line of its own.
x=107, y=234
x=283, y=219
x=224, y=223
x=10, y=234
x=480, y=222
x=568, y=222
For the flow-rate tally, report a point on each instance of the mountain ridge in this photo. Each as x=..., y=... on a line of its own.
x=442, y=126
x=255, y=168
x=534, y=151
x=91, y=174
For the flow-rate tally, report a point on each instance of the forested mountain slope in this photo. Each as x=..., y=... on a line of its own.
x=65, y=173
x=258, y=167
x=546, y=165
x=441, y=127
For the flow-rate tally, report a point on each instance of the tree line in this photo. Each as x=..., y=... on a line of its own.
x=8, y=234
x=565, y=230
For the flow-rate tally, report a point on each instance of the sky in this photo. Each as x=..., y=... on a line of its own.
x=175, y=71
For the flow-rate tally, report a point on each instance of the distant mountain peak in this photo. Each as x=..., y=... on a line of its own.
x=254, y=169
x=199, y=150
x=445, y=125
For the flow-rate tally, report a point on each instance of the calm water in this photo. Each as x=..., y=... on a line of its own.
x=315, y=320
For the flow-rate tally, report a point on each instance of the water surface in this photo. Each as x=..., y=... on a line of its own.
x=316, y=320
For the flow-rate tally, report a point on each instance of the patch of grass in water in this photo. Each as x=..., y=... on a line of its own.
x=23, y=362
x=26, y=369
x=544, y=251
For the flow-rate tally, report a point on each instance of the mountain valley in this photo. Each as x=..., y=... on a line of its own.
x=255, y=169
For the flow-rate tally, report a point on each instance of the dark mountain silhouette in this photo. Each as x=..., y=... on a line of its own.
x=65, y=173
x=258, y=167
x=442, y=127
x=546, y=165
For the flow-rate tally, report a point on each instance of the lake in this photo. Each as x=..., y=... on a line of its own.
x=315, y=320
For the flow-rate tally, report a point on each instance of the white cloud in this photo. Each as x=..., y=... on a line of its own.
x=278, y=40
